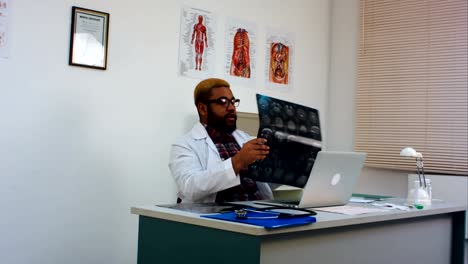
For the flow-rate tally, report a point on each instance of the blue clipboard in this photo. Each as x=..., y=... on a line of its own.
x=270, y=223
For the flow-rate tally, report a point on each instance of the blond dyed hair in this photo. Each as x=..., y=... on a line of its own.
x=203, y=89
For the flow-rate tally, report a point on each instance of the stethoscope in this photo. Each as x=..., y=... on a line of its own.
x=242, y=214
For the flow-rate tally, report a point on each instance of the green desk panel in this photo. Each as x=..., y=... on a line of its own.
x=162, y=241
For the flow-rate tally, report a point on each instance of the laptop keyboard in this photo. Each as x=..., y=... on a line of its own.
x=296, y=202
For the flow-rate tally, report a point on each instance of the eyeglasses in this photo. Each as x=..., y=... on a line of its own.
x=223, y=101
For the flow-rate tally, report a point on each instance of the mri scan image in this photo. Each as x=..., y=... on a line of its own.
x=293, y=135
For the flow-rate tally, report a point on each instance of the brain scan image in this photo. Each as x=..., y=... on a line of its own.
x=293, y=134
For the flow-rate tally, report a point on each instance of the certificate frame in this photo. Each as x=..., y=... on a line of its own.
x=89, y=38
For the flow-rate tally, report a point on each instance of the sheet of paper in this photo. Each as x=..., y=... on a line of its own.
x=361, y=200
x=350, y=209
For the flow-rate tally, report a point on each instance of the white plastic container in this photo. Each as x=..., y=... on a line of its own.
x=418, y=194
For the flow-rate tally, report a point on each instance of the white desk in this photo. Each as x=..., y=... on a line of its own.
x=433, y=235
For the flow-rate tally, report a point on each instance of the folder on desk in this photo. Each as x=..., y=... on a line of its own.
x=270, y=223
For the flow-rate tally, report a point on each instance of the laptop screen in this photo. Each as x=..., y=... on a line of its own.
x=293, y=135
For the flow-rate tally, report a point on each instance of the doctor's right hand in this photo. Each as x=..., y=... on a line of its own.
x=250, y=152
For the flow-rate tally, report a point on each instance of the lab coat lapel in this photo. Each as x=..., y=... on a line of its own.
x=199, y=132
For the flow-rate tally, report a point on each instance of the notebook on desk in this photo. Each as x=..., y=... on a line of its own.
x=331, y=182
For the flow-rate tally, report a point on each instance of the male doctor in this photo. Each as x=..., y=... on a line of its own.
x=209, y=164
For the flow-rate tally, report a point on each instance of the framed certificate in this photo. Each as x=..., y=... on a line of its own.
x=89, y=37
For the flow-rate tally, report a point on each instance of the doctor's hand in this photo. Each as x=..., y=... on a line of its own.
x=250, y=152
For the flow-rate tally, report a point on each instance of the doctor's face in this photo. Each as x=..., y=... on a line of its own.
x=221, y=110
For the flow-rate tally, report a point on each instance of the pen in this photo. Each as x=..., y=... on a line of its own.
x=392, y=206
x=262, y=212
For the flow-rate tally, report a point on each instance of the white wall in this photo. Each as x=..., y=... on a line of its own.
x=79, y=147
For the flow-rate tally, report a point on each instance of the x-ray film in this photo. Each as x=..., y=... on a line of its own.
x=293, y=135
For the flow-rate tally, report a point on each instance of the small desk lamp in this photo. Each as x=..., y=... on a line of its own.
x=411, y=152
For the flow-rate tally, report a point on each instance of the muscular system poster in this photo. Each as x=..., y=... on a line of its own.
x=279, y=60
x=196, y=43
x=240, y=51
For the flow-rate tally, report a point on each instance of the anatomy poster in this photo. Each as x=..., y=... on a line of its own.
x=279, y=60
x=240, y=51
x=196, y=43
x=4, y=34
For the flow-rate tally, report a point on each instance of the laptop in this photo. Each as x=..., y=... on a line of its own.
x=331, y=182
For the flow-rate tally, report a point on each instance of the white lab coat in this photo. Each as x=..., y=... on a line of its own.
x=199, y=171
